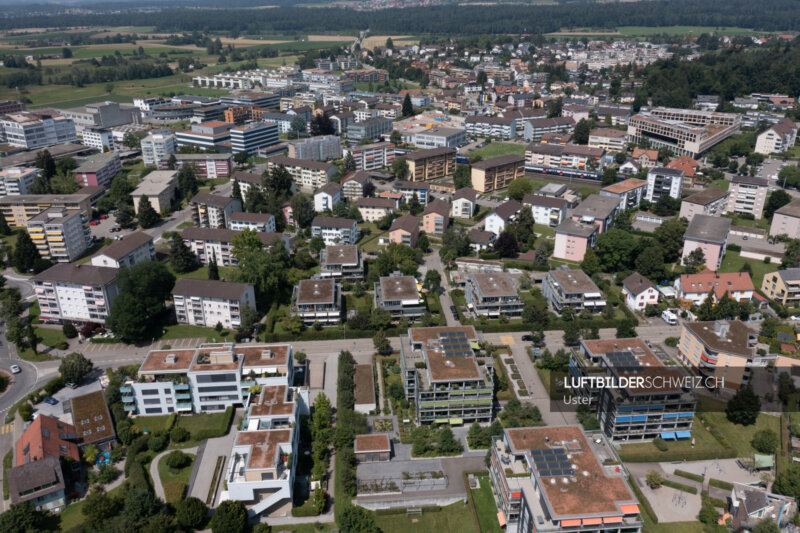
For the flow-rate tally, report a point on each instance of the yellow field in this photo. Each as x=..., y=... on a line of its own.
x=331, y=38
x=380, y=40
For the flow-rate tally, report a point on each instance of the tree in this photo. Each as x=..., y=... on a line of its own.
x=744, y=407
x=433, y=280
x=172, y=162
x=213, y=270
x=462, y=176
x=321, y=125
x=572, y=333
x=389, y=43
x=25, y=255
x=650, y=263
x=408, y=108
x=45, y=162
x=591, y=263
x=241, y=158
x=187, y=181
x=666, y=206
x=396, y=138
x=316, y=244
x=41, y=184
x=654, y=479
x=518, y=188
x=298, y=126
x=581, y=134
x=140, y=504
x=301, y=210
x=555, y=107
x=765, y=441
x=74, y=367
x=132, y=141
x=349, y=163
x=89, y=454
x=230, y=517
x=148, y=217
x=4, y=227
x=99, y=506
x=124, y=215
x=506, y=245
x=766, y=525
x=787, y=482
x=776, y=200
x=181, y=257
x=68, y=329
x=695, y=260
x=626, y=329
x=669, y=236
x=24, y=518
x=354, y=519
x=143, y=290
x=400, y=168
x=381, y=342
x=249, y=318
x=609, y=176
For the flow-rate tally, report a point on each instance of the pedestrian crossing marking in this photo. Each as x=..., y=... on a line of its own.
x=7, y=428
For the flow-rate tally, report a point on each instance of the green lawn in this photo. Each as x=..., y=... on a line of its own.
x=154, y=424
x=28, y=355
x=50, y=337
x=87, y=255
x=485, y=507
x=362, y=303
x=174, y=481
x=496, y=149
x=683, y=30
x=544, y=231
x=204, y=422
x=72, y=518
x=184, y=331
x=733, y=262
x=736, y=220
x=456, y=517
x=737, y=435
x=720, y=184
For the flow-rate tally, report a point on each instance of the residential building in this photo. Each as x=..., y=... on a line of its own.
x=364, y=390
x=785, y=221
x=327, y=196
x=39, y=483
x=135, y=248
x=372, y=448
x=573, y=289
x=252, y=136
x=639, y=292
x=695, y=288
x=260, y=222
x=431, y=164
x=480, y=240
x=207, y=166
x=493, y=294
x=206, y=135
x=502, y=215
x=100, y=139
x=400, y=295
x=356, y=185
x=213, y=211
x=61, y=235
x=156, y=149
x=723, y=351
x=748, y=195
x=160, y=187
x=535, y=129
x=78, y=293
x=247, y=181
x=335, y=230
x=307, y=174
x=782, y=286
x=341, y=262
x=436, y=217
x=711, y=202
x=207, y=243
x=410, y=189
x=440, y=137
x=404, y=230
x=321, y=148
x=98, y=170
x=555, y=158
x=200, y=302
x=709, y=234
x=46, y=436
x=573, y=239
x=664, y=182
x=483, y=126
x=11, y=106
x=547, y=210
x=318, y=300
x=102, y=115
x=630, y=192
x=660, y=409
x=36, y=130
x=92, y=420
x=751, y=505
x=372, y=128
x=448, y=386
x=18, y=209
x=608, y=139
x=596, y=209
x=464, y=203
x=374, y=209
x=372, y=156
x=497, y=173
x=532, y=496
x=684, y=131
x=777, y=138
x=15, y=181
x=688, y=166
x=645, y=158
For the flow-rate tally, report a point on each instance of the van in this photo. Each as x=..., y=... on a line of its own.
x=669, y=317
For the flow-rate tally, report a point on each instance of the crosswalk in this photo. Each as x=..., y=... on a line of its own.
x=91, y=347
x=7, y=428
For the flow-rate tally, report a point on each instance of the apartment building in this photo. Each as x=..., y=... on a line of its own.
x=307, y=174
x=30, y=130
x=400, y=295
x=482, y=126
x=213, y=211
x=695, y=288
x=431, y=164
x=372, y=128
x=46, y=436
x=777, y=138
x=252, y=136
x=206, y=135
x=639, y=292
x=78, y=293
x=436, y=217
x=15, y=181
x=574, y=238
x=598, y=210
x=335, y=230
x=711, y=202
x=630, y=192
x=375, y=209
x=327, y=196
x=464, y=203
x=546, y=210
x=709, y=234
x=102, y=115
x=664, y=182
x=785, y=221
x=40, y=484
x=321, y=148
x=573, y=289
x=535, y=129
x=247, y=181
x=660, y=410
x=18, y=209
x=502, y=215
x=98, y=138
x=131, y=250
x=440, y=137
x=409, y=189
x=608, y=139
x=206, y=243
x=549, y=479
x=493, y=294
x=404, y=230
x=200, y=302
x=782, y=286
x=684, y=131
x=207, y=166
x=724, y=351
x=341, y=262
x=260, y=222
x=160, y=187
x=748, y=195
x=317, y=300
x=372, y=156
x=61, y=235
x=448, y=385
x=497, y=173
x=98, y=171
x=156, y=149
x=543, y=157
x=357, y=185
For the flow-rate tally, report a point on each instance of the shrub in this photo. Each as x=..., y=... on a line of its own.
x=26, y=412
x=157, y=443
x=660, y=444
x=178, y=434
x=137, y=477
x=671, y=341
x=191, y=513
x=62, y=346
x=177, y=459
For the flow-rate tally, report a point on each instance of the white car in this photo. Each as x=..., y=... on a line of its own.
x=794, y=317
x=15, y=369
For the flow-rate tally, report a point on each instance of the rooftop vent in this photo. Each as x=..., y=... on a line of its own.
x=171, y=359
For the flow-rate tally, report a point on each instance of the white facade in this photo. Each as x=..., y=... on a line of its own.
x=777, y=138
x=462, y=208
x=156, y=149
x=341, y=232
x=216, y=302
x=263, y=227
x=60, y=234
x=637, y=302
x=29, y=131
x=664, y=181
x=326, y=198
x=81, y=293
x=15, y=181
x=130, y=256
x=99, y=139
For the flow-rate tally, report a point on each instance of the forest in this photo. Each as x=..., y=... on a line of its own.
x=766, y=15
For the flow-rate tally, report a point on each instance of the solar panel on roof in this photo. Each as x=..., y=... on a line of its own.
x=552, y=462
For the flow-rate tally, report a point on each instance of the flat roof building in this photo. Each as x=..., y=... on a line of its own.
x=492, y=295
x=318, y=300
x=400, y=295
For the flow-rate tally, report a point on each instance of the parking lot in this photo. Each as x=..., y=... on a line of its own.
x=64, y=396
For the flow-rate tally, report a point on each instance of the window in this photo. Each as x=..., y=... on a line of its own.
x=98, y=418
x=101, y=428
x=87, y=432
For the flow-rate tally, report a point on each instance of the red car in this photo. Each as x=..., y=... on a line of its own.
x=94, y=222
x=103, y=217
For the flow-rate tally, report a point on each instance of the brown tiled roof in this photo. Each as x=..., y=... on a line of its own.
x=33, y=475
x=466, y=192
x=78, y=274
x=433, y=152
x=386, y=203
x=330, y=222
x=304, y=163
x=408, y=223
x=259, y=218
x=637, y=284
x=207, y=288
x=543, y=201
x=706, y=196
x=249, y=177
x=91, y=418
x=211, y=199
x=507, y=209
x=440, y=207
x=119, y=249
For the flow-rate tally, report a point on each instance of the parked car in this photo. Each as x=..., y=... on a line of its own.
x=454, y=310
x=94, y=222
x=527, y=338
x=70, y=385
x=50, y=400
x=15, y=369
x=103, y=217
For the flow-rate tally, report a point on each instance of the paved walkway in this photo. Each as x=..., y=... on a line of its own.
x=207, y=458
x=157, y=485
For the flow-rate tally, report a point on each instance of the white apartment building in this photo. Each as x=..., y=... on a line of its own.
x=777, y=138
x=748, y=195
x=664, y=182
x=547, y=210
x=440, y=137
x=321, y=148
x=160, y=187
x=374, y=209
x=481, y=126
x=102, y=115
x=307, y=174
x=372, y=156
x=36, y=130
x=335, y=230
x=79, y=293
x=328, y=196
x=98, y=138
x=60, y=234
x=501, y=215
x=608, y=139
x=212, y=210
x=15, y=181
x=261, y=222
x=201, y=302
x=684, y=131
x=464, y=203
x=133, y=249
x=207, y=243
x=156, y=149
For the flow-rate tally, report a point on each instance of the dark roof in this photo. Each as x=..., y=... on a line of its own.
x=415, y=185
x=572, y=227
x=751, y=180
x=543, y=201
x=211, y=199
x=119, y=249
x=664, y=171
x=207, y=288
x=330, y=188
x=433, y=152
x=257, y=218
x=489, y=120
x=78, y=274
x=754, y=500
x=361, y=177
x=307, y=163
x=467, y=193
x=507, y=209
x=440, y=207
x=480, y=237
x=499, y=161
x=221, y=235
x=249, y=177
x=637, y=284
x=330, y=222
x=385, y=203
x=408, y=223
x=91, y=418
x=708, y=228
x=550, y=122
x=36, y=474
x=706, y=196
x=96, y=162
x=597, y=206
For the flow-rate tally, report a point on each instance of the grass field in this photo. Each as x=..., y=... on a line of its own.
x=497, y=149
x=174, y=481
x=485, y=507
x=683, y=30
x=456, y=517
x=50, y=337
x=184, y=331
x=733, y=262
x=153, y=424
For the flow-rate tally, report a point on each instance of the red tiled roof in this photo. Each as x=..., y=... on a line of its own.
x=44, y=438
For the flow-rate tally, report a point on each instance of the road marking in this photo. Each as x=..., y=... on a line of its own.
x=508, y=340
x=7, y=428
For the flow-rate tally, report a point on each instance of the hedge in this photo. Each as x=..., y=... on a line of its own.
x=218, y=431
x=716, y=502
x=402, y=510
x=720, y=484
x=137, y=476
x=689, y=475
x=104, y=340
x=526, y=265
x=645, y=505
x=689, y=455
x=679, y=486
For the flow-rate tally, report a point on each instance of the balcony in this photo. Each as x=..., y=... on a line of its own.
x=126, y=389
x=180, y=386
x=130, y=408
x=127, y=399
x=183, y=406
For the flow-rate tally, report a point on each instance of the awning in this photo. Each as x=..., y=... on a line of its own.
x=630, y=508
x=683, y=434
x=592, y=521
x=570, y=523
x=501, y=517
x=612, y=520
x=668, y=435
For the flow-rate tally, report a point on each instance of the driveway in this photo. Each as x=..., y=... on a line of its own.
x=206, y=463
